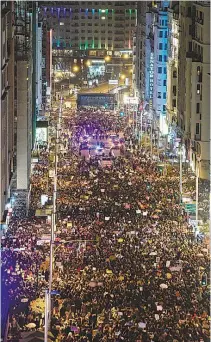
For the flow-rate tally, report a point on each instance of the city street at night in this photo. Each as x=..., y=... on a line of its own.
x=126, y=263
x=105, y=171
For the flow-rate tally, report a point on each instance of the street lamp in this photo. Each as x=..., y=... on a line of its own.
x=88, y=63
x=180, y=172
x=75, y=68
x=107, y=58
x=122, y=77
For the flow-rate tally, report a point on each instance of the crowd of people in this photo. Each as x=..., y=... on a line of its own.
x=127, y=265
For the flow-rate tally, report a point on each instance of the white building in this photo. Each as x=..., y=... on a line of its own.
x=160, y=27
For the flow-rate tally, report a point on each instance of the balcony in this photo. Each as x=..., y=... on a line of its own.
x=195, y=57
x=199, y=21
x=202, y=3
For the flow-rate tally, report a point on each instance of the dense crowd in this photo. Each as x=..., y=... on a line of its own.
x=130, y=268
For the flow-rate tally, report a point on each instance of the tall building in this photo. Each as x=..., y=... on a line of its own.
x=151, y=56
x=160, y=32
x=46, y=63
x=200, y=89
x=172, y=71
x=24, y=72
x=188, y=99
x=140, y=50
x=7, y=102
x=85, y=28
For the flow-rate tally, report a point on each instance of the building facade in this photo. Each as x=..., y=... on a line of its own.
x=46, y=63
x=160, y=32
x=7, y=103
x=172, y=64
x=193, y=100
x=94, y=29
x=140, y=50
x=24, y=76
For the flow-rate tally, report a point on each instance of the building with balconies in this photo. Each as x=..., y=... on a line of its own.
x=95, y=29
x=193, y=109
x=172, y=64
x=7, y=138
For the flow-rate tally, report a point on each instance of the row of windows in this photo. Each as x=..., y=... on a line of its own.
x=162, y=58
x=96, y=18
x=159, y=95
x=96, y=31
x=160, y=70
x=88, y=38
x=83, y=46
x=89, y=10
x=163, y=34
x=75, y=24
x=163, y=22
x=162, y=46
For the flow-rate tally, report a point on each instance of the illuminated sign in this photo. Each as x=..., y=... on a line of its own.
x=42, y=131
x=96, y=100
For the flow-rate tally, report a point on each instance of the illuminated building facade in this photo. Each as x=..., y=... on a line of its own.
x=95, y=29
x=160, y=32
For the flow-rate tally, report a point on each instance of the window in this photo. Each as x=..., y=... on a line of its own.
x=174, y=74
x=165, y=46
x=160, y=58
x=165, y=58
x=161, y=34
x=160, y=70
x=174, y=103
x=197, y=108
x=160, y=46
x=198, y=89
x=164, y=83
x=164, y=96
x=164, y=70
x=159, y=95
x=164, y=108
x=174, y=89
x=166, y=34
x=197, y=128
x=190, y=29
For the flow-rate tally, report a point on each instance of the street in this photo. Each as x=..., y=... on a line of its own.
x=127, y=265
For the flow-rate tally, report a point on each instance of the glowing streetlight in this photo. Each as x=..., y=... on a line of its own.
x=75, y=68
x=122, y=77
x=107, y=58
x=126, y=56
x=88, y=63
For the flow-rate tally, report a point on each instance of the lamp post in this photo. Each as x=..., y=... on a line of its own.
x=107, y=59
x=53, y=217
x=88, y=64
x=197, y=193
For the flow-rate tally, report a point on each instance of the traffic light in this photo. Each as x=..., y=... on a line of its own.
x=106, y=105
x=204, y=279
x=121, y=114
